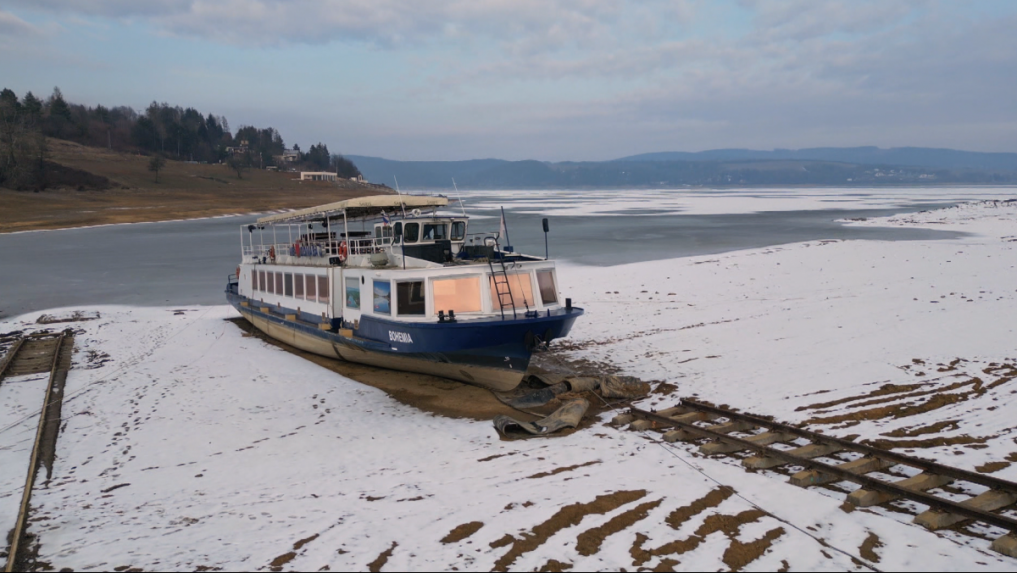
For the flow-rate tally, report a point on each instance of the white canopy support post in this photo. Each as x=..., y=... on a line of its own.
x=346, y=232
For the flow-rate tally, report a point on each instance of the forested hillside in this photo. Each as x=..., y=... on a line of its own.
x=183, y=134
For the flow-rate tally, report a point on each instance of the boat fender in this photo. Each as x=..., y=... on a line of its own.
x=342, y=251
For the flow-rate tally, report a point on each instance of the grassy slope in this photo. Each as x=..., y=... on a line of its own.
x=184, y=191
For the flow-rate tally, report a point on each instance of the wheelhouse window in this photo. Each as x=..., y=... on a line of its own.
x=460, y=295
x=435, y=232
x=312, y=292
x=323, y=289
x=410, y=296
x=411, y=232
x=521, y=290
x=545, y=282
x=298, y=285
x=353, y=292
x=458, y=230
x=288, y=283
x=383, y=234
x=382, y=297
x=397, y=231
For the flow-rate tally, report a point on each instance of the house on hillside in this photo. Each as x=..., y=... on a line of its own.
x=317, y=176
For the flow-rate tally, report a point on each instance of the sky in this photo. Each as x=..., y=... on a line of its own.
x=553, y=80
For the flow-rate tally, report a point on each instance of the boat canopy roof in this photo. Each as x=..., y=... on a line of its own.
x=361, y=207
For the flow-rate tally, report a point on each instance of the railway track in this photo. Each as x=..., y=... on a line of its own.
x=764, y=444
x=37, y=354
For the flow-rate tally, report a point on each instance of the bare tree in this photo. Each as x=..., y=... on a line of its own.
x=239, y=164
x=156, y=164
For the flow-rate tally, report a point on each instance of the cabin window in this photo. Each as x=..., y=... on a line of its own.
x=298, y=286
x=261, y=281
x=254, y=280
x=397, y=229
x=278, y=283
x=412, y=232
x=520, y=287
x=288, y=283
x=434, y=232
x=410, y=296
x=458, y=230
x=382, y=297
x=271, y=282
x=353, y=292
x=323, y=289
x=545, y=281
x=460, y=295
x=312, y=293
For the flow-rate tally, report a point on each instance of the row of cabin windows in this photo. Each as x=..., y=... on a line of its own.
x=461, y=295
x=411, y=232
x=307, y=287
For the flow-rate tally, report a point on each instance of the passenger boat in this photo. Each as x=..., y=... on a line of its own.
x=396, y=282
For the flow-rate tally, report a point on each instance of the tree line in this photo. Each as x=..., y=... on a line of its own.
x=182, y=134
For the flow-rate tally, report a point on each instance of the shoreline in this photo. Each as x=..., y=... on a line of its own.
x=907, y=344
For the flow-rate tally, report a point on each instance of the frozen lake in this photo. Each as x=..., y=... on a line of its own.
x=187, y=262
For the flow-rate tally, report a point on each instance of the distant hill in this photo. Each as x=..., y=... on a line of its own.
x=863, y=166
x=420, y=173
x=899, y=156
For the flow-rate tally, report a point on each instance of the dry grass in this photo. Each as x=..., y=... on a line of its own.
x=184, y=191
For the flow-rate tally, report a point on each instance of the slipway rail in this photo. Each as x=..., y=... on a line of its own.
x=729, y=432
x=32, y=355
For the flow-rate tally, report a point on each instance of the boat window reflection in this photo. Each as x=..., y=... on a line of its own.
x=522, y=293
x=434, y=232
x=323, y=289
x=312, y=293
x=411, y=231
x=545, y=282
x=460, y=295
x=410, y=296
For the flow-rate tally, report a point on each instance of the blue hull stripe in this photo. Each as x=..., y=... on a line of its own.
x=493, y=343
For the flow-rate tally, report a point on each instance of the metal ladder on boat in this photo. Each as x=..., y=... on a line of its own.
x=501, y=286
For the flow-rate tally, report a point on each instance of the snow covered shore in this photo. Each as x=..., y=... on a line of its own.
x=195, y=446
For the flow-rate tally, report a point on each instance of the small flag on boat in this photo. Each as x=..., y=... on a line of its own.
x=384, y=218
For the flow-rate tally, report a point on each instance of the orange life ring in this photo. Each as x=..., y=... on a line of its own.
x=238, y=273
x=296, y=248
x=342, y=250
x=271, y=253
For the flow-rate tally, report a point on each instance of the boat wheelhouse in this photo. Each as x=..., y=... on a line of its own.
x=393, y=281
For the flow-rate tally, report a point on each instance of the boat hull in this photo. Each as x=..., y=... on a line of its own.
x=492, y=353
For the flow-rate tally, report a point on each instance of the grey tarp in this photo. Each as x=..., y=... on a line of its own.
x=628, y=387
x=567, y=416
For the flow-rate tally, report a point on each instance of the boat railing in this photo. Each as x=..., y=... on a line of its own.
x=307, y=248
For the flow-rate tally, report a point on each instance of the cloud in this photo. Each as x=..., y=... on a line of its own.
x=11, y=25
x=524, y=25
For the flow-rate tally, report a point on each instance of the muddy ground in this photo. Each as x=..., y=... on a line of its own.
x=457, y=399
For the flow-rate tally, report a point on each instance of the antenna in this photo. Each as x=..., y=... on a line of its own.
x=461, y=205
x=397, y=184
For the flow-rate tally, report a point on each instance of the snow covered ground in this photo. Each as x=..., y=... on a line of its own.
x=195, y=446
